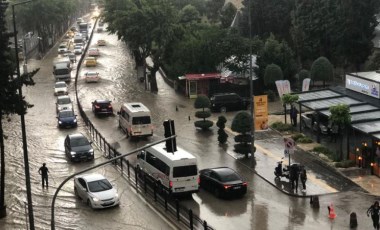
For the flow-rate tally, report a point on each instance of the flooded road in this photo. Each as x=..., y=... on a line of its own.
x=264, y=207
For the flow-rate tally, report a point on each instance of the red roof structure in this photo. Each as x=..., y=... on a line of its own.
x=202, y=76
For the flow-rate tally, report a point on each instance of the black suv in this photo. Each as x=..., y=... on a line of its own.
x=223, y=102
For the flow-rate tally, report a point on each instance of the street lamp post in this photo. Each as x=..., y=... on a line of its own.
x=253, y=149
x=23, y=130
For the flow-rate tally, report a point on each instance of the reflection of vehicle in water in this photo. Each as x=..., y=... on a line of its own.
x=309, y=120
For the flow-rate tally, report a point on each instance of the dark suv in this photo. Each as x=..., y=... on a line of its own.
x=223, y=102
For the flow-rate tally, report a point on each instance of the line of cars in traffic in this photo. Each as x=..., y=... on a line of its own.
x=94, y=189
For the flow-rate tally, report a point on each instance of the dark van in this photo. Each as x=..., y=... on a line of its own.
x=223, y=102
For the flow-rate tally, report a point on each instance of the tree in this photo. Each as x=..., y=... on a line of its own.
x=322, y=70
x=214, y=7
x=148, y=27
x=203, y=102
x=10, y=100
x=273, y=73
x=288, y=99
x=222, y=135
x=340, y=116
x=242, y=125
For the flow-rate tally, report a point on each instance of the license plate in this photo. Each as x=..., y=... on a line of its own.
x=237, y=187
x=179, y=189
x=104, y=109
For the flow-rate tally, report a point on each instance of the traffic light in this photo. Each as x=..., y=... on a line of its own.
x=171, y=145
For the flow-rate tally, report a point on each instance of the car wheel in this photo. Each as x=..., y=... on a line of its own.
x=76, y=192
x=217, y=192
x=223, y=109
x=89, y=203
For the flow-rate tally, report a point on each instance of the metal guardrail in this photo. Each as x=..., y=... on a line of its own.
x=160, y=195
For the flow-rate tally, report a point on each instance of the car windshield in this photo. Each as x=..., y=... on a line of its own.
x=78, y=47
x=91, y=74
x=63, y=101
x=141, y=120
x=99, y=186
x=60, y=85
x=62, y=46
x=227, y=176
x=67, y=113
x=185, y=171
x=79, y=141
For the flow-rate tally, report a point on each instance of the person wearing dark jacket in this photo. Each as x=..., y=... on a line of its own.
x=303, y=178
x=43, y=171
x=374, y=211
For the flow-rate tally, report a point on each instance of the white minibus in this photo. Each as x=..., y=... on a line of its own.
x=177, y=172
x=135, y=120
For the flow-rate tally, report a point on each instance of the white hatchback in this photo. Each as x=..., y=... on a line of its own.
x=60, y=88
x=96, y=191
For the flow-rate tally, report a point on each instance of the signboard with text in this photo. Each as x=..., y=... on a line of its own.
x=363, y=86
x=261, y=112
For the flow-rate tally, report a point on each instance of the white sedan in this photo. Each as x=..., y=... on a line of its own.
x=94, y=52
x=78, y=49
x=96, y=191
x=60, y=88
x=91, y=77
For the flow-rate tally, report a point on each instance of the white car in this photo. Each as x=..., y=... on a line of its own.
x=64, y=103
x=94, y=52
x=62, y=48
x=91, y=76
x=78, y=49
x=60, y=88
x=96, y=191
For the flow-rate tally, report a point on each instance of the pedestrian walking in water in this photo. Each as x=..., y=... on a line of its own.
x=303, y=178
x=43, y=171
x=374, y=211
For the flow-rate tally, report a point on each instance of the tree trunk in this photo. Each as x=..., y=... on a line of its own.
x=285, y=112
x=2, y=180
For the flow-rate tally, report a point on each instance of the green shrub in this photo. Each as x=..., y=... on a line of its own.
x=202, y=114
x=345, y=164
x=304, y=140
x=297, y=136
x=242, y=148
x=281, y=126
x=243, y=138
x=322, y=149
x=222, y=136
x=203, y=124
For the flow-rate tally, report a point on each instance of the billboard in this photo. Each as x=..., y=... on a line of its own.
x=363, y=86
x=261, y=112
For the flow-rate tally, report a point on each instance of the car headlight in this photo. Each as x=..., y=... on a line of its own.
x=59, y=122
x=116, y=195
x=95, y=199
x=75, y=120
x=91, y=151
x=72, y=153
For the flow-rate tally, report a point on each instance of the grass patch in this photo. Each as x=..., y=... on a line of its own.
x=345, y=164
x=279, y=126
x=322, y=149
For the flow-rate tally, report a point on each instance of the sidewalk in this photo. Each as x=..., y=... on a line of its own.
x=322, y=177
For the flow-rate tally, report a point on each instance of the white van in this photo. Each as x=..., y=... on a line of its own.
x=135, y=120
x=177, y=172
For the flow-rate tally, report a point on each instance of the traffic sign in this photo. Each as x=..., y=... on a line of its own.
x=289, y=144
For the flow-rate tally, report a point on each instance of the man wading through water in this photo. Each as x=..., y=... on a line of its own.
x=374, y=210
x=43, y=171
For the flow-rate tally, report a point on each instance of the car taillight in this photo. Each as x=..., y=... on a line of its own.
x=97, y=106
x=170, y=184
x=245, y=183
x=110, y=106
x=199, y=180
x=227, y=186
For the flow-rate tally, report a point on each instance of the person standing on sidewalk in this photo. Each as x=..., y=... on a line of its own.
x=374, y=210
x=303, y=177
x=43, y=171
x=293, y=115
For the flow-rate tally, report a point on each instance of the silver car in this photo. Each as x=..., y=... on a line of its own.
x=96, y=191
x=64, y=103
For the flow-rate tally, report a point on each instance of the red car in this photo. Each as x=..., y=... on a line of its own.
x=102, y=106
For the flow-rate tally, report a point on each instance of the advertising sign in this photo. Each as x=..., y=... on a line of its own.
x=363, y=86
x=261, y=112
x=305, y=84
x=283, y=87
